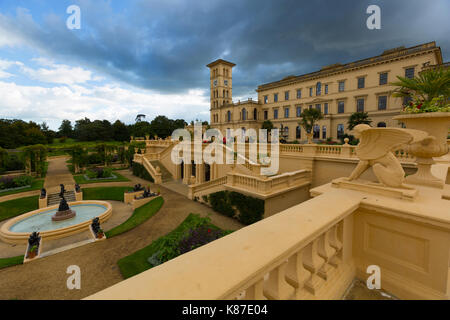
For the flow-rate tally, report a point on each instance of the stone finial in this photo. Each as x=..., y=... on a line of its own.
x=158, y=169
x=346, y=140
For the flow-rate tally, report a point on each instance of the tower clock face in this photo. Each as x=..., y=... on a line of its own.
x=215, y=83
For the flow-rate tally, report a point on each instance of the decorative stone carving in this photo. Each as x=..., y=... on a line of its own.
x=375, y=150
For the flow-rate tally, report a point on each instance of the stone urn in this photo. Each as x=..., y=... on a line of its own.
x=309, y=136
x=436, y=124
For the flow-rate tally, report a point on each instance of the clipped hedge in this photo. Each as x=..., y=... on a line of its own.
x=246, y=209
x=140, y=171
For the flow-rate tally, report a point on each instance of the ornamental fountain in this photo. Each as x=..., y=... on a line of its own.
x=64, y=212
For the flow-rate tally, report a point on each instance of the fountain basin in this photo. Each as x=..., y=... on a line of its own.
x=18, y=229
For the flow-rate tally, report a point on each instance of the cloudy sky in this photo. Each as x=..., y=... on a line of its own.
x=149, y=56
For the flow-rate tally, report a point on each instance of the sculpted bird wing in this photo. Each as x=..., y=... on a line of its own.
x=376, y=142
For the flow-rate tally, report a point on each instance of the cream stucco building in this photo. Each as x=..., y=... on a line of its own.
x=338, y=90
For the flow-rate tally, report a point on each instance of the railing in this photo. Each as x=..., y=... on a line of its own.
x=194, y=189
x=311, y=260
x=157, y=176
x=267, y=185
x=338, y=151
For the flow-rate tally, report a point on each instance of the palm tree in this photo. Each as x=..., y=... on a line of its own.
x=358, y=118
x=308, y=119
x=429, y=84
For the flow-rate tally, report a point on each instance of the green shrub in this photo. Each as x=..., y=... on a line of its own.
x=22, y=181
x=249, y=209
x=140, y=171
x=220, y=202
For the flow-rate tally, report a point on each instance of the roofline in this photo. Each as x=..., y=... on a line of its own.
x=348, y=66
x=220, y=61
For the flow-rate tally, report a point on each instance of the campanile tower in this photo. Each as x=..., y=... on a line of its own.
x=221, y=86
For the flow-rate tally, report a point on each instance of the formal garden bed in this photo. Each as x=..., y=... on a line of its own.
x=99, y=175
x=192, y=233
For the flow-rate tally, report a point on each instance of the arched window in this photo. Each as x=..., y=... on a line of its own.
x=228, y=116
x=381, y=125
x=255, y=114
x=298, y=133
x=318, y=88
x=316, y=132
x=324, y=132
x=244, y=114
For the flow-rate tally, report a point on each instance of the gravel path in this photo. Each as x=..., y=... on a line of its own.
x=46, y=278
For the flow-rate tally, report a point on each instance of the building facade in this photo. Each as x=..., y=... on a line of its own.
x=338, y=90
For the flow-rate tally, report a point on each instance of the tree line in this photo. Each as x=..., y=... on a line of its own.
x=16, y=133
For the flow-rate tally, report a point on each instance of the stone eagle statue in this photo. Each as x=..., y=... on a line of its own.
x=375, y=150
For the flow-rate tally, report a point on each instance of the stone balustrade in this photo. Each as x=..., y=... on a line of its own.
x=313, y=250
x=312, y=260
x=196, y=189
x=264, y=186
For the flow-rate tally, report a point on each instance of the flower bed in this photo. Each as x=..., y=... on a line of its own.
x=15, y=183
x=192, y=233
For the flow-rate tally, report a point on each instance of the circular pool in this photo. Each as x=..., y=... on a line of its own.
x=18, y=229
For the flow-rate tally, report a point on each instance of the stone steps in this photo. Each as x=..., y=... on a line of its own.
x=165, y=174
x=54, y=199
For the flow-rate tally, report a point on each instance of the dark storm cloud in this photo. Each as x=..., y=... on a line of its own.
x=165, y=45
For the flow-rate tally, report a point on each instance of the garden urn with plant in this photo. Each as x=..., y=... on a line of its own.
x=427, y=108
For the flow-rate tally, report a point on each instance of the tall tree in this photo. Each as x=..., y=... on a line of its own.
x=120, y=131
x=65, y=129
x=358, y=118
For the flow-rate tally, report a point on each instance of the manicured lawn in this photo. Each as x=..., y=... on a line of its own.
x=140, y=215
x=13, y=208
x=80, y=179
x=137, y=262
x=9, y=262
x=105, y=193
x=37, y=184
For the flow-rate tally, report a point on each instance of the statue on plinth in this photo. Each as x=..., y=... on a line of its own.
x=43, y=193
x=63, y=190
x=77, y=188
x=375, y=150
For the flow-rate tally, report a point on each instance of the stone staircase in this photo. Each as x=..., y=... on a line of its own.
x=165, y=174
x=54, y=199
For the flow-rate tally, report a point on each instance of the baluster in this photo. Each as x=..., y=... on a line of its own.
x=297, y=275
x=276, y=287
x=313, y=262
x=326, y=252
x=336, y=244
x=255, y=292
